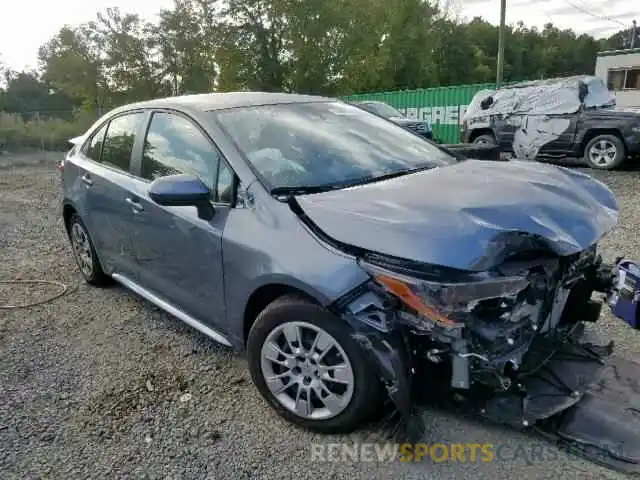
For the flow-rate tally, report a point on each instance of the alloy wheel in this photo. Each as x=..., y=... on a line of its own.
x=82, y=249
x=307, y=370
x=603, y=153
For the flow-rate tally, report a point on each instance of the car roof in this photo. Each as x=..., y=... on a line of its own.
x=575, y=79
x=218, y=101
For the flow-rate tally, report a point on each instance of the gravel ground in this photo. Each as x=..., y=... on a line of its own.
x=101, y=384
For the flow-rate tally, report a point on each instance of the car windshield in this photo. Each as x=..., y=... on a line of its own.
x=383, y=110
x=329, y=144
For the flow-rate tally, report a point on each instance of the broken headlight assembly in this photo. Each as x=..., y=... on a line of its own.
x=428, y=303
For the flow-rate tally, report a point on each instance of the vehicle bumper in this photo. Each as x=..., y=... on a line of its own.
x=632, y=142
x=475, y=151
x=567, y=388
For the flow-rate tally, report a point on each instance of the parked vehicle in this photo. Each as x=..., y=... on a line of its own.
x=474, y=151
x=339, y=250
x=385, y=110
x=557, y=118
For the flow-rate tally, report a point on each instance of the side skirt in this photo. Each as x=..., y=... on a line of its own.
x=167, y=307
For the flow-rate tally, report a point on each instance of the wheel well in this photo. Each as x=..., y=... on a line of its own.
x=591, y=134
x=67, y=212
x=480, y=131
x=262, y=297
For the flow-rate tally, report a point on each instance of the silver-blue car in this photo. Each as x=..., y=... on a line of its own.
x=344, y=254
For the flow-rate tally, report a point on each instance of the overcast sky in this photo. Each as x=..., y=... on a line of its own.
x=27, y=24
x=599, y=18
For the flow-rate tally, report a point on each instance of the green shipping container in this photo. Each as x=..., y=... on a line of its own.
x=442, y=107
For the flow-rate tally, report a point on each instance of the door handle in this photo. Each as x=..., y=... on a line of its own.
x=86, y=179
x=135, y=205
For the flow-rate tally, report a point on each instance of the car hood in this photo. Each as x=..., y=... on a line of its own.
x=470, y=215
x=406, y=121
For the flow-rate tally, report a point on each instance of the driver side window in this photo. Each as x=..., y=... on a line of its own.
x=174, y=145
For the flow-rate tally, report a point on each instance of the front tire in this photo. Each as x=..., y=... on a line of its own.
x=85, y=253
x=485, y=139
x=605, y=152
x=308, y=367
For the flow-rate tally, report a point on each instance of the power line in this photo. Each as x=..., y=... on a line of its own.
x=595, y=15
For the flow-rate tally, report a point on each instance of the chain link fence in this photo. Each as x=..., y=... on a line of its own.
x=43, y=131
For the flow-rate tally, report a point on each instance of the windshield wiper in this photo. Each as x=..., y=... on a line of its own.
x=302, y=189
x=387, y=176
x=309, y=189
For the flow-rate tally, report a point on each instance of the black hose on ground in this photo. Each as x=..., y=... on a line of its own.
x=64, y=289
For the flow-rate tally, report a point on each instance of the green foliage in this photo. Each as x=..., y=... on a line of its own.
x=43, y=133
x=185, y=38
x=25, y=92
x=334, y=47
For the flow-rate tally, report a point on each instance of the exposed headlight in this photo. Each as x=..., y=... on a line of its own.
x=444, y=302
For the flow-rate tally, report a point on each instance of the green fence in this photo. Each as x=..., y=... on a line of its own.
x=442, y=107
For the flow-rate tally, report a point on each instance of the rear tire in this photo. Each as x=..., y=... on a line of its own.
x=605, y=152
x=314, y=348
x=85, y=253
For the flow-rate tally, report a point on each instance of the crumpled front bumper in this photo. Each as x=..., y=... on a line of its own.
x=571, y=389
x=604, y=426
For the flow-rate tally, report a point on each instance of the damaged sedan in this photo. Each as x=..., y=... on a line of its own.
x=349, y=257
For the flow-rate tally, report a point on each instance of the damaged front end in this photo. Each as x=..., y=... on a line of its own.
x=479, y=300
x=507, y=343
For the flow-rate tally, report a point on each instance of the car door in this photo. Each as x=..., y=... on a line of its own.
x=179, y=255
x=505, y=127
x=561, y=129
x=105, y=174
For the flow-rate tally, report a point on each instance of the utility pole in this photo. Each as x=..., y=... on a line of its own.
x=634, y=34
x=500, y=62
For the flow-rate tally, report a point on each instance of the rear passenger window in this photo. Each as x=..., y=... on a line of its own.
x=119, y=140
x=93, y=147
x=176, y=145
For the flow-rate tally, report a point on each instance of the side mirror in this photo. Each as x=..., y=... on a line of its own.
x=181, y=191
x=583, y=90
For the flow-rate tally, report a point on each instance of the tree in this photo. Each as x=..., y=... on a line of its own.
x=251, y=37
x=619, y=40
x=411, y=42
x=330, y=47
x=130, y=55
x=72, y=62
x=28, y=95
x=186, y=37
